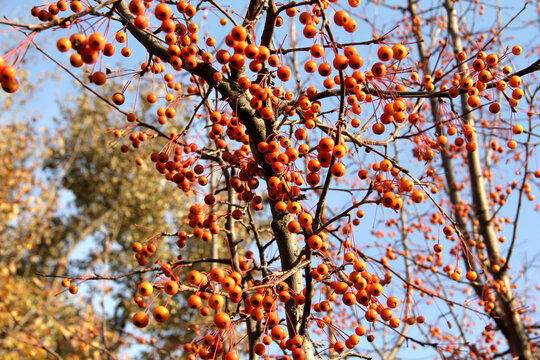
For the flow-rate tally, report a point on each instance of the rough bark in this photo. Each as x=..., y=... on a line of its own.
x=507, y=318
x=258, y=130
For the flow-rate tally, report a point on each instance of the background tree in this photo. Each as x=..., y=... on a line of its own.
x=111, y=207
x=298, y=145
x=54, y=201
x=35, y=322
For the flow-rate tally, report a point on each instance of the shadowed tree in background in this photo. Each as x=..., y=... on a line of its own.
x=53, y=201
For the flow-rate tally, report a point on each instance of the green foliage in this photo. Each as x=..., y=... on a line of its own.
x=78, y=205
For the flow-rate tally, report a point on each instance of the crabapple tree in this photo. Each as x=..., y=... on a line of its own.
x=362, y=172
